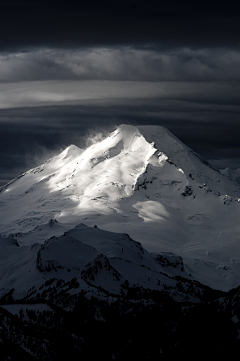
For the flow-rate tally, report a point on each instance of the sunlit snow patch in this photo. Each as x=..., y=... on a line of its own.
x=152, y=211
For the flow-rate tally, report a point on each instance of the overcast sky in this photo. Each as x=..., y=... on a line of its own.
x=71, y=72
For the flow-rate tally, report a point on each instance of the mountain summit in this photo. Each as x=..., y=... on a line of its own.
x=142, y=181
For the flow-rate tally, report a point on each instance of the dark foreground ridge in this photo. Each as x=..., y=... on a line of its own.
x=141, y=324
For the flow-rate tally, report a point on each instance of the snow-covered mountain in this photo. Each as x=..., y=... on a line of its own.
x=141, y=181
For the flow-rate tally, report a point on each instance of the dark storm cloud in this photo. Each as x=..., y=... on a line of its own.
x=54, y=23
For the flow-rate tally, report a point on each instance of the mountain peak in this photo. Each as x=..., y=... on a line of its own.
x=71, y=151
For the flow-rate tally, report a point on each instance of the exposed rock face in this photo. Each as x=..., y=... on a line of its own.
x=98, y=266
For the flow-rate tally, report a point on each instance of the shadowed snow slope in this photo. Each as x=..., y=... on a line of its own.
x=142, y=181
x=89, y=258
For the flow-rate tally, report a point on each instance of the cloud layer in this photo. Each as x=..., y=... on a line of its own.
x=121, y=64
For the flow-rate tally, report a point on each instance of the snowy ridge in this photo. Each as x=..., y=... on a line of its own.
x=233, y=174
x=91, y=259
x=92, y=256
